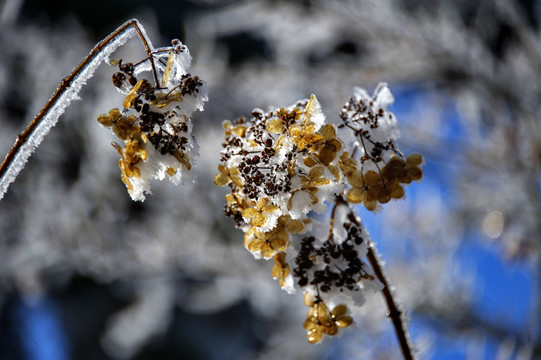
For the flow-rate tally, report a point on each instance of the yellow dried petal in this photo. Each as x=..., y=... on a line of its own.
x=372, y=178
x=132, y=95
x=310, y=161
x=340, y=310
x=328, y=132
x=313, y=138
x=237, y=181
x=355, y=178
x=311, y=324
x=312, y=313
x=267, y=252
x=314, y=198
x=258, y=219
x=356, y=195
x=250, y=213
x=301, y=143
x=280, y=259
x=171, y=171
x=316, y=172
x=105, y=120
x=350, y=163
x=121, y=130
x=143, y=154
x=126, y=181
x=373, y=193
x=282, y=280
x=314, y=336
x=222, y=169
x=240, y=131
x=279, y=243
x=309, y=299
x=406, y=179
x=131, y=147
x=323, y=314
x=327, y=154
x=310, y=128
x=133, y=171
x=226, y=124
x=275, y=126
x=336, y=143
x=396, y=162
x=397, y=192
x=335, y=171
x=187, y=164
x=114, y=114
x=295, y=131
x=233, y=171
x=277, y=271
x=280, y=269
x=415, y=173
x=270, y=208
x=344, y=321
x=331, y=329
x=294, y=226
x=167, y=71
x=371, y=205
x=262, y=203
x=182, y=159
x=414, y=160
x=321, y=181
x=309, y=111
x=221, y=179
x=256, y=245
x=118, y=148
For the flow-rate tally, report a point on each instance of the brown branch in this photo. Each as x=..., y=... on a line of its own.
x=395, y=314
x=65, y=84
x=339, y=200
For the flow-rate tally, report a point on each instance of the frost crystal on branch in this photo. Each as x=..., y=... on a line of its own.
x=155, y=122
x=68, y=91
x=285, y=163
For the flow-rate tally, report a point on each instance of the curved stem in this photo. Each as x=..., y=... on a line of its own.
x=59, y=102
x=395, y=314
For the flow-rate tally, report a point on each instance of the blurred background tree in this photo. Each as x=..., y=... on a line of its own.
x=89, y=274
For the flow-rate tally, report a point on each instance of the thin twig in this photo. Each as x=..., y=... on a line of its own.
x=339, y=200
x=65, y=84
x=395, y=314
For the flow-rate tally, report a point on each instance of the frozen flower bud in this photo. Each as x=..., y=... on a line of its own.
x=155, y=122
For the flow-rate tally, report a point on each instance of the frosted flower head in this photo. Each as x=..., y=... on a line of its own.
x=376, y=170
x=284, y=164
x=279, y=165
x=155, y=122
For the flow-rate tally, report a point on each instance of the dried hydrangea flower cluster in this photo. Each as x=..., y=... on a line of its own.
x=381, y=171
x=322, y=321
x=280, y=166
x=285, y=163
x=155, y=122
